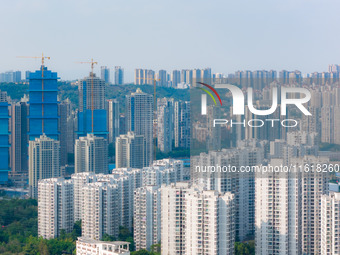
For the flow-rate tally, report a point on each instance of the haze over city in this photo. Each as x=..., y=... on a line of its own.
x=224, y=35
x=169, y=127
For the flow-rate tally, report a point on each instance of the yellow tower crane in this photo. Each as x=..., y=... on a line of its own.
x=42, y=57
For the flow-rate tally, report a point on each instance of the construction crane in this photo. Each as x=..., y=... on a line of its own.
x=91, y=75
x=42, y=84
x=154, y=102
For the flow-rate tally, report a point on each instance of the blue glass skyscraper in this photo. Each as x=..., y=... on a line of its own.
x=92, y=117
x=43, y=104
x=4, y=138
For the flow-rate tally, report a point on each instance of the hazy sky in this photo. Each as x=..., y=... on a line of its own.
x=156, y=34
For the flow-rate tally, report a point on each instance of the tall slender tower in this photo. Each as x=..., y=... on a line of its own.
x=165, y=124
x=277, y=213
x=119, y=75
x=105, y=74
x=139, y=119
x=44, y=161
x=19, y=149
x=182, y=124
x=4, y=138
x=43, y=104
x=147, y=217
x=113, y=119
x=330, y=225
x=173, y=218
x=92, y=117
x=64, y=112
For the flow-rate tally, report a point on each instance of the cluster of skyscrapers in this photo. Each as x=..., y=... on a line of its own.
x=10, y=76
x=201, y=211
x=257, y=79
x=118, y=75
x=180, y=79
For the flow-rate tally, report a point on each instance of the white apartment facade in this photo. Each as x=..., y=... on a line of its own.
x=147, y=217
x=55, y=207
x=91, y=154
x=277, y=213
x=210, y=222
x=130, y=151
x=101, y=210
x=173, y=218
x=44, y=161
x=330, y=224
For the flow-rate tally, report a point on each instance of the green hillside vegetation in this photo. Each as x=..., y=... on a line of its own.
x=66, y=90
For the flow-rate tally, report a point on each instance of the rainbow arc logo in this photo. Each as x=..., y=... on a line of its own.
x=209, y=93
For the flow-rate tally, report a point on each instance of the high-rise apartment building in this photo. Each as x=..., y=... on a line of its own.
x=175, y=78
x=139, y=119
x=313, y=185
x=182, y=124
x=187, y=76
x=119, y=75
x=210, y=222
x=327, y=124
x=214, y=132
x=10, y=76
x=100, y=210
x=44, y=161
x=173, y=220
x=250, y=153
x=64, y=112
x=195, y=221
x=79, y=180
x=277, y=213
x=165, y=124
x=177, y=165
x=147, y=217
x=4, y=136
x=126, y=184
x=158, y=175
x=27, y=75
x=19, y=128
x=55, y=207
x=92, y=113
x=113, y=119
x=330, y=224
x=206, y=75
x=43, y=104
x=105, y=74
x=162, y=78
x=288, y=208
x=91, y=154
x=130, y=151
x=333, y=68
x=122, y=124
x=144, y=76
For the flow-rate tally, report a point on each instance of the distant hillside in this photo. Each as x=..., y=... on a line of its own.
x=66, y=90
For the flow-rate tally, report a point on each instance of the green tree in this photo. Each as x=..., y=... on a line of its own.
x=108, y=238
x=31, y=247
x=141, y=252
x=245, y=248
x=76, y=232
